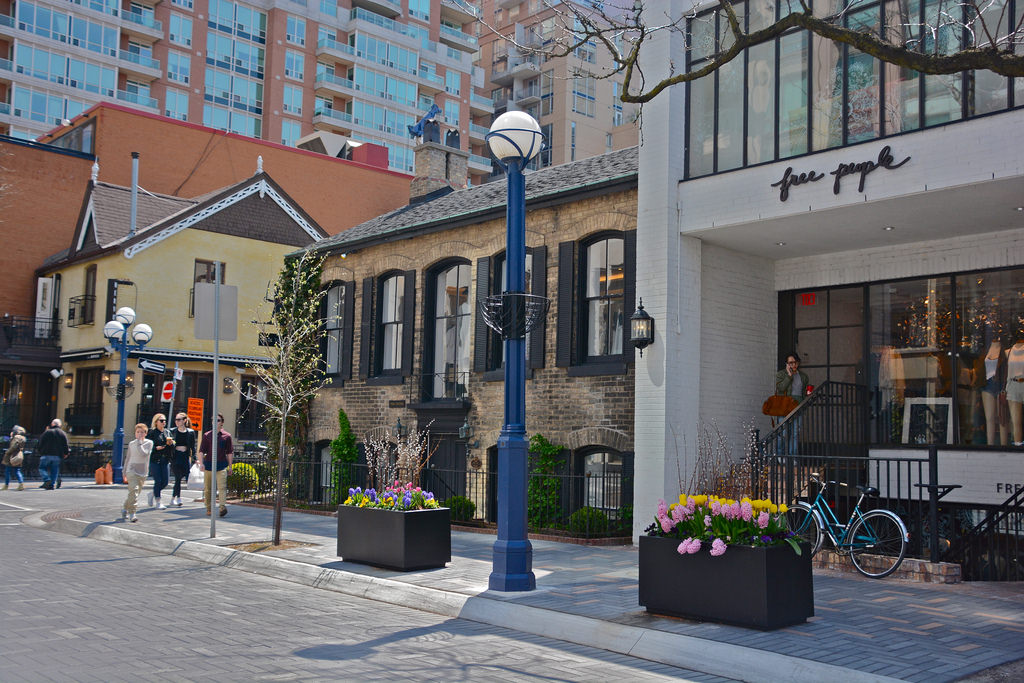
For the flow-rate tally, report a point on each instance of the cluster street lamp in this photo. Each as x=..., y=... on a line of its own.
x=116, y=331
x=514, y=139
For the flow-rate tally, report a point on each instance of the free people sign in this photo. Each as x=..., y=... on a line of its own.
x=791, y=179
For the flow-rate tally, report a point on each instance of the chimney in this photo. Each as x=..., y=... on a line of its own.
x=438, y=166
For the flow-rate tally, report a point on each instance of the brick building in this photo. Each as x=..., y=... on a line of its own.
x=411, y=344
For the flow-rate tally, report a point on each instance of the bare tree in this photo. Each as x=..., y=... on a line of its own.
x=293, y=376
x=951, y=36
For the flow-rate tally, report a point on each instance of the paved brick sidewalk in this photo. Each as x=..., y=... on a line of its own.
x=888, y=628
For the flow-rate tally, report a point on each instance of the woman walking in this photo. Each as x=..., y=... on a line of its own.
x=184, y=454
x=136, y=466
x=163, y=446
x=15, y=454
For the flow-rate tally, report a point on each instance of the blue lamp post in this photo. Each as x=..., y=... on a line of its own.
x=116, y=331
x=514, y=139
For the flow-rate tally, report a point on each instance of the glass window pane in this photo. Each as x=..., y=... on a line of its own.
x=700, y=145
x=793, y=94
x=827, y=89
x=730, y=115
x=811, y=309
x=846, y=306
x=597, y=319
x=761, y=103
x=863, y=73
x=596, y=268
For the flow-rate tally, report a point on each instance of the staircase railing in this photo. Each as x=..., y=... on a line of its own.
x=993, y=549
x=831, y=422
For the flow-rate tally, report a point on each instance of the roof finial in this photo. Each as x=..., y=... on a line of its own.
x=259, y=164
x=95, y=171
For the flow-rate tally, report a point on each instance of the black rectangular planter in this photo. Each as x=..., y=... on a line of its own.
x=763, y=588
x=402, y=540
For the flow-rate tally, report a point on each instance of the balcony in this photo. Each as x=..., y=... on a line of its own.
x=334, y=85
x=478, y=132
x=458, y=11
x=507, y=3
x=430, y=82
x=528, y=96
x=389, y=8
x=139, y=24
x=341, y=52
x=139, y=65
x=480, y=105
x=84, y=418
x=81, y=309
x=26, y=331
x=457, y=39
x=479, y=163
x=137, y=99
x=447, y=386
x=7, y=25
x=337, y=121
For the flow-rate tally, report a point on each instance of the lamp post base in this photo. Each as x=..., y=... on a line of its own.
x=513, y=567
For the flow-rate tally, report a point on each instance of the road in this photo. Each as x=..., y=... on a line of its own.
x=80, y=610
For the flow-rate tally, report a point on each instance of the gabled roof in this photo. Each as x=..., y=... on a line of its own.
x=475, y=203
x=256, y=208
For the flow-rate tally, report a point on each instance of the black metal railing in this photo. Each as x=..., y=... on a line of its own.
x=84, y=418
x=571, y=505
x=249, y=423
x=439, y=386
x=832, y=421
x=993, y=549
x=26, y=331
x=82, y=461
x=81, y=310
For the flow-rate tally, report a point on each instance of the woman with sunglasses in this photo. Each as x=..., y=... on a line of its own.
x=163, y=446
x=184, y=438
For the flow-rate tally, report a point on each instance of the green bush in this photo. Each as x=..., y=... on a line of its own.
x=344, y=454
x=462, y=508
x=588, y=521
x=242, y=479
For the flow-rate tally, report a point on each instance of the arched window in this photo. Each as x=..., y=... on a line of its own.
x=389, y=329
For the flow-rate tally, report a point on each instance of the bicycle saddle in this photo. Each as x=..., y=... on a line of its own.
x=867, y=490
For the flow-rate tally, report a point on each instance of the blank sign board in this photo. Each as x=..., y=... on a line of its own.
x=204, y=306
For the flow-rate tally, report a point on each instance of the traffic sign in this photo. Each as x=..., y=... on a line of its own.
x=167, y=393
x=152, y=366
x=178, y=374
x=195, y=413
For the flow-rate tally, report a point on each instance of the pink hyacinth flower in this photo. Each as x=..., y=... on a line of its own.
x=718, y=547
x=666, y=523
x=707, y=520
x=662, y=507
x=716, y=507
x=679, y=513
x=762, y=520
x=746, y=511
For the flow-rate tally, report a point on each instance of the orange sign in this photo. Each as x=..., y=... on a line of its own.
x=195, y=413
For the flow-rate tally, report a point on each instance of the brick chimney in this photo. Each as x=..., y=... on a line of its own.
x=438, y=166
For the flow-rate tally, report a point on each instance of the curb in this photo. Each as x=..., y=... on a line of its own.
x=688, y=652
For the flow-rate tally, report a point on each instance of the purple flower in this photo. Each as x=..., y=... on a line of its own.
x=407, y=499
x=351, y=492
x=717, y=547
x=762, y=520
x=766, y=539
x=707, y=521
x=678, y=513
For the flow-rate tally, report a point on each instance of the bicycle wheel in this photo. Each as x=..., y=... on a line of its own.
x=877, y=543
x=802, y=522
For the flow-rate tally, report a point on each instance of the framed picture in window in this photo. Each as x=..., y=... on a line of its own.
x=928, y=421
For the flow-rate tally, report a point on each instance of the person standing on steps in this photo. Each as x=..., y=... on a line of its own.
x=225, y=454
x=136, y=467
x=53, y=448
x=15, y=453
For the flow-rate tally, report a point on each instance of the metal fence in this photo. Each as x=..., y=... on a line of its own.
x=81, y=462
x=574, y=505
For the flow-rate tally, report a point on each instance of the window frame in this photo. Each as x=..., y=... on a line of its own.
x=370, y=330
x=430, y=319
x=343, y=329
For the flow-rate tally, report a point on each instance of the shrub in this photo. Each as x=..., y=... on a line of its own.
x=344, y=454
x=544, y=491
x=242, y=478
x=462, y=508
x=588, y=521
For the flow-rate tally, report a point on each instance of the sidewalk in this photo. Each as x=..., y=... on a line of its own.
x=864, y=629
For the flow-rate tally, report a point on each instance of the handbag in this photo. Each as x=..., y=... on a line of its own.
x=17, y=459
x=778, y=405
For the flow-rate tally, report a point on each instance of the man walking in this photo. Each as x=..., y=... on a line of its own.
x=53, y=447
x=225, y=454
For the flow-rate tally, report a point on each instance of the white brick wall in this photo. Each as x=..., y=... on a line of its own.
x=972, y=252
x=738, y=342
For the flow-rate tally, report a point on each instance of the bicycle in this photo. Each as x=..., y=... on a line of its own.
x=876, y=540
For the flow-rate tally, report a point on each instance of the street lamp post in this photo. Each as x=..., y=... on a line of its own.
x=514, y=139
x=116, y=331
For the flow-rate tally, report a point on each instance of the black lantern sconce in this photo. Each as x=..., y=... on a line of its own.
x=229, y=385
x=400, y=429
x=641, y=328
x=105, y=378
x=69, y=380
x=129, y=378
x=466, y=432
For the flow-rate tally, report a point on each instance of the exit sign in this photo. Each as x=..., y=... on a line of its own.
x=808, y=299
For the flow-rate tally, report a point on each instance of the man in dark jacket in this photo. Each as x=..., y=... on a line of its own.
x=53, y=447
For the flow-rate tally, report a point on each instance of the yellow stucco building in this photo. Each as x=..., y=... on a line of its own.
x=248, y=228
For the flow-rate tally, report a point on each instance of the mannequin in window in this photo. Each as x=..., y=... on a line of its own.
x=1015, y=388
x=990, y=374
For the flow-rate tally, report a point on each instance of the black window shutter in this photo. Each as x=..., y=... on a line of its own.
x=566, y=276
x=481, y=332
x=629, y=289
x=324, y=345
x=347, y=325
x=539, y=287
x=408, y=321
x=366, y=330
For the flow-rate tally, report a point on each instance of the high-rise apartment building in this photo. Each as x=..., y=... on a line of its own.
x=270, y=69
x=581, y=115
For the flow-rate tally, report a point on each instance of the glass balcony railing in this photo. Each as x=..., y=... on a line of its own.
x=456, y=33
x=6, y=65
x=141, y=60
x=479, y=160
x=142, y=20
x=334, y=115
x=478, y=130
x=431, y=77
x=329, y=44
x=481, y=100
x=336, y=80
x=6, y=20
x=5, y=108
x=136, y=98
